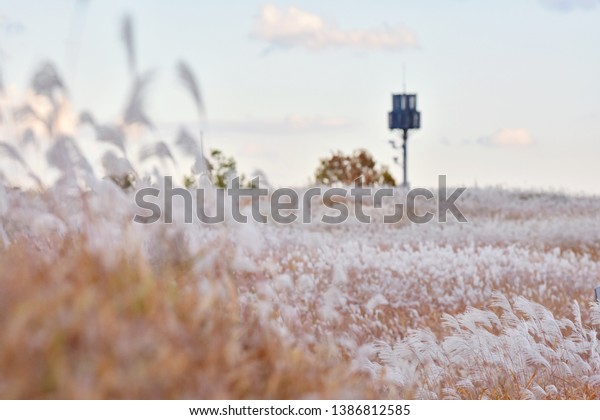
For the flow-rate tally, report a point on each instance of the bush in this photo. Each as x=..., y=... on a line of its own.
x=345, y=169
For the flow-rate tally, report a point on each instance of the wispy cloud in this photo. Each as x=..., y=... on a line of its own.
x=508, y=137
x=294, y=123
x=293, y=27
x=10, y=26
x=570, y=5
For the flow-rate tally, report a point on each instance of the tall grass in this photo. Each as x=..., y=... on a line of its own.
x=78, y=329
x=93, y=305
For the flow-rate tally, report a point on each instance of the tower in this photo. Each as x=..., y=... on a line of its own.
x=404, y=116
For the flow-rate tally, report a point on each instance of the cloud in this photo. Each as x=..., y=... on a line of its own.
x=514, y=137
x=570, y=5
x=10, y=26
x=300, y=122
x=294, y=123
x=293, y=27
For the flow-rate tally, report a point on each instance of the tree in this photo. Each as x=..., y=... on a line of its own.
x=341, y=169
x=222, y=170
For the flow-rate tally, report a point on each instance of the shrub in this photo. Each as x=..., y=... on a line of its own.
x=345, y=169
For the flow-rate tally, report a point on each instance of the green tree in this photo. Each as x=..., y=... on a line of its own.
x=223, y=168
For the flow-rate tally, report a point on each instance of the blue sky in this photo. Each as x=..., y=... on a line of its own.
x=509, y=90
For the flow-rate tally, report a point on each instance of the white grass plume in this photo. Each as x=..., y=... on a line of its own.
x=127, y=38
x=134, y=111
x=46, y=81
x=159, y=150
x=112, y=134
x=186, y=75
x=12, y=153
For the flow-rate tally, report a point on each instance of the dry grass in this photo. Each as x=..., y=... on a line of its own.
x=76, y=329
x=298, y=322
x=93, y=305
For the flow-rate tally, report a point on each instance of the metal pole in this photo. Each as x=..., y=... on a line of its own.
x=404, y=163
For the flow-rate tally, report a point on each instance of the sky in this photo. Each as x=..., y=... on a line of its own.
x=509, y=91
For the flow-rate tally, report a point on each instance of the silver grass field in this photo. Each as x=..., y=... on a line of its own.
x=93, y=305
